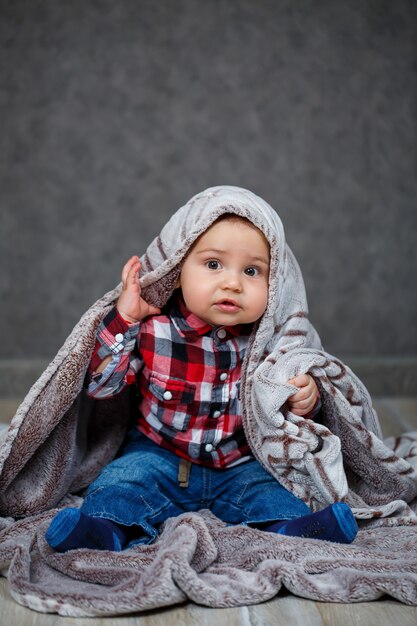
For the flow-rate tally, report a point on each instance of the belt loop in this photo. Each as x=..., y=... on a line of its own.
x=184, y=468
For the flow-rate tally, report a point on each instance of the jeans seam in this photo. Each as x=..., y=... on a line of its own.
x=242, y=494
x=151, y=509
x=206, y=486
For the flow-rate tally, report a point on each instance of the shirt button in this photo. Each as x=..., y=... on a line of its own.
x=208, y=447
x=119, y=337
x=167, y=395
x=223, y=376
x=221, y=333
x=216, y=414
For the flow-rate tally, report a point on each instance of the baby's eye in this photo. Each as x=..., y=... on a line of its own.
x=213, y=264
x=251, y=271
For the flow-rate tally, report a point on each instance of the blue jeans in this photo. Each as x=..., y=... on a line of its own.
x=140, y=488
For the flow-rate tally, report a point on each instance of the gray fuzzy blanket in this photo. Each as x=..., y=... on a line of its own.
x=59, y=440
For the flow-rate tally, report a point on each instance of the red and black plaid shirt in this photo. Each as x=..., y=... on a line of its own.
x=188, y=374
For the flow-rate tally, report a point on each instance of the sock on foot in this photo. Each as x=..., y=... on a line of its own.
x=71, y=529
x=334, y=523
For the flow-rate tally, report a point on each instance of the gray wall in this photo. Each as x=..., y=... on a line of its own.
x=114, y=113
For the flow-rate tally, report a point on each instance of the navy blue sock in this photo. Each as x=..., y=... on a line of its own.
x=334, y=523
x=71, y=529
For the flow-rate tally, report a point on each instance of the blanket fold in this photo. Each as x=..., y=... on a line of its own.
x=59, y=440
x=198, y=558
x=351, y=435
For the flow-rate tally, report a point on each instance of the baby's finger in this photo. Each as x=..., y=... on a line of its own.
x=303, y=408
x=302, y=380
x=154, y=310
x=303, y=393
x=127, y=266
x=303, y=404
x=133, y=275
x=300, y=412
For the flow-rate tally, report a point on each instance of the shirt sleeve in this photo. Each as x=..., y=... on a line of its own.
x=115, y=338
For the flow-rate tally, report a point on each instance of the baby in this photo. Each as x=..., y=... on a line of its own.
x=188, y=450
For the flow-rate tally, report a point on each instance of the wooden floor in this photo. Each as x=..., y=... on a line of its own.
x=397, y=415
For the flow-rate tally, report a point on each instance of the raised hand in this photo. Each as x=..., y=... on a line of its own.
x=304, y=400
x=131, y=306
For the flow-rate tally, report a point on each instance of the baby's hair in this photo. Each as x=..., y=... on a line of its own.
x=234, y=217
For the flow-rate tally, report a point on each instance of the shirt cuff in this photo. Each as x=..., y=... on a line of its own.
x=116, y=335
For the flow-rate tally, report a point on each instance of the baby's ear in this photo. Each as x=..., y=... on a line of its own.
x=178, y=281
x=178, y=269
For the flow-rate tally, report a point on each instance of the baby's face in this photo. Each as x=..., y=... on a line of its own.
x=224, y=278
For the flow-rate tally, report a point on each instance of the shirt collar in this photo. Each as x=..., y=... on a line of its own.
x=189, y=324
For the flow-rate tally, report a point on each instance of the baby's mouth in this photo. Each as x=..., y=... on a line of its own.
x=228, y=306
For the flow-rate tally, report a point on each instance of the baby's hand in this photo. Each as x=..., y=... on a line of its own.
x=131, y=306
x=304, y=400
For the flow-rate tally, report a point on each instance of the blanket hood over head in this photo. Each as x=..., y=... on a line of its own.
x=161, y=264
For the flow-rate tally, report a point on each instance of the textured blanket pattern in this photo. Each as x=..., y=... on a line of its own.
x=59, y=440
x=353, y=464
x=198, y=558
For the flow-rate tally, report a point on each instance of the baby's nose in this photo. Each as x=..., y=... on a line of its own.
x=232, y=280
